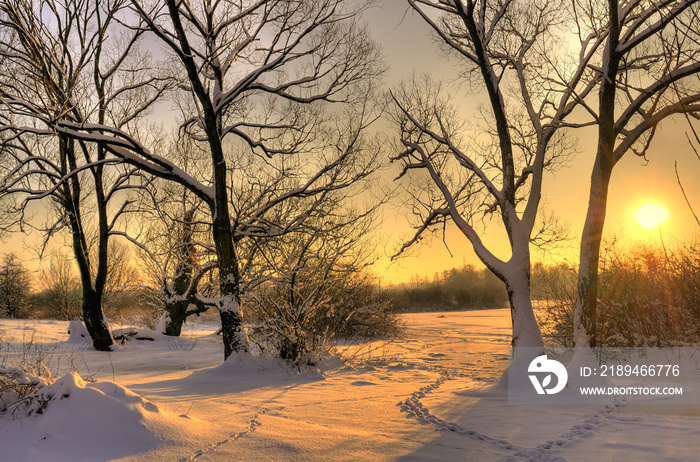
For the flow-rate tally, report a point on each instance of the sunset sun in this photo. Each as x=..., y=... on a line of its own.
x=651, y=215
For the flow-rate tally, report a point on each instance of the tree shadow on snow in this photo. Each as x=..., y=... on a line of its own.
x=237, y=374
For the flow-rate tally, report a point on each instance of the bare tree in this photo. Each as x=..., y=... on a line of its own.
x=269, y=210
x=279, y=58
x=61, y=287
x=510, y=48
x=261, y=75
x=15, y=287
x=649, y=71
x=72, y=61
x=173, y=246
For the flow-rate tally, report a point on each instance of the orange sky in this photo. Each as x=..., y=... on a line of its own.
x=409, y=46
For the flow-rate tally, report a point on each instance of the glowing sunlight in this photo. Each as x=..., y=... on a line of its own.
x=651, y=215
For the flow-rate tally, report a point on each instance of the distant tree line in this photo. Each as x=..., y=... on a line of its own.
x=454, y=289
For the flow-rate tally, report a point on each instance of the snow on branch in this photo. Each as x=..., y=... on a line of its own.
x=666, y=10
x=125, y=147
x=443, y=139
x=659, y=85
x=684, y=105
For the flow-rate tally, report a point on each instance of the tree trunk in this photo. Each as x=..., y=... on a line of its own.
x=233, y=335
x=526, y=331
x=585, y=308
x=95, y=321
x=232, y=332
x=177, y=314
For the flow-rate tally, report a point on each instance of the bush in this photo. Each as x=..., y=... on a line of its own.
x=19, y=384
x=647, y=297
x=553, y=291
x=20, y=393
x=302, y=321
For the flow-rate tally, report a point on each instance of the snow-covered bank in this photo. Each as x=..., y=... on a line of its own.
x=429, y=396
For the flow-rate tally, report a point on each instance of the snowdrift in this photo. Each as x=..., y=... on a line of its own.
x=74, y=420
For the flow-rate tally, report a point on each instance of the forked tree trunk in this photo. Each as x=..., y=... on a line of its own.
x=177, y=312
x=515, y=274
x=95, y=321
x=176, y=317
x=178, y=299
x=93, y=316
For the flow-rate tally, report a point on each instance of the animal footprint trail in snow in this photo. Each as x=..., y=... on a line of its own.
x=414, y=408
x=253, y=424
x=542, y=452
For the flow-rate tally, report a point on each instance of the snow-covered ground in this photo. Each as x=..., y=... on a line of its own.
x=433, y=395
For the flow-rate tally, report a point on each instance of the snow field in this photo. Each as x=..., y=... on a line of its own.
x=434, y=395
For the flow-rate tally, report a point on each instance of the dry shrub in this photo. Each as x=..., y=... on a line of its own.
x=303, y=321
x=19, y=384
x=647, y=296
x=20, y=393
x=554, y=292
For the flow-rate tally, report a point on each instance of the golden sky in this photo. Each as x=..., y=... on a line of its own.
x=409, y=46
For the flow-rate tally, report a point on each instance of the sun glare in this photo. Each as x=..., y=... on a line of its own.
x=651, y=215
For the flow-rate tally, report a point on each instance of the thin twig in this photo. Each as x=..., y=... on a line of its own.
x=685, y=196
